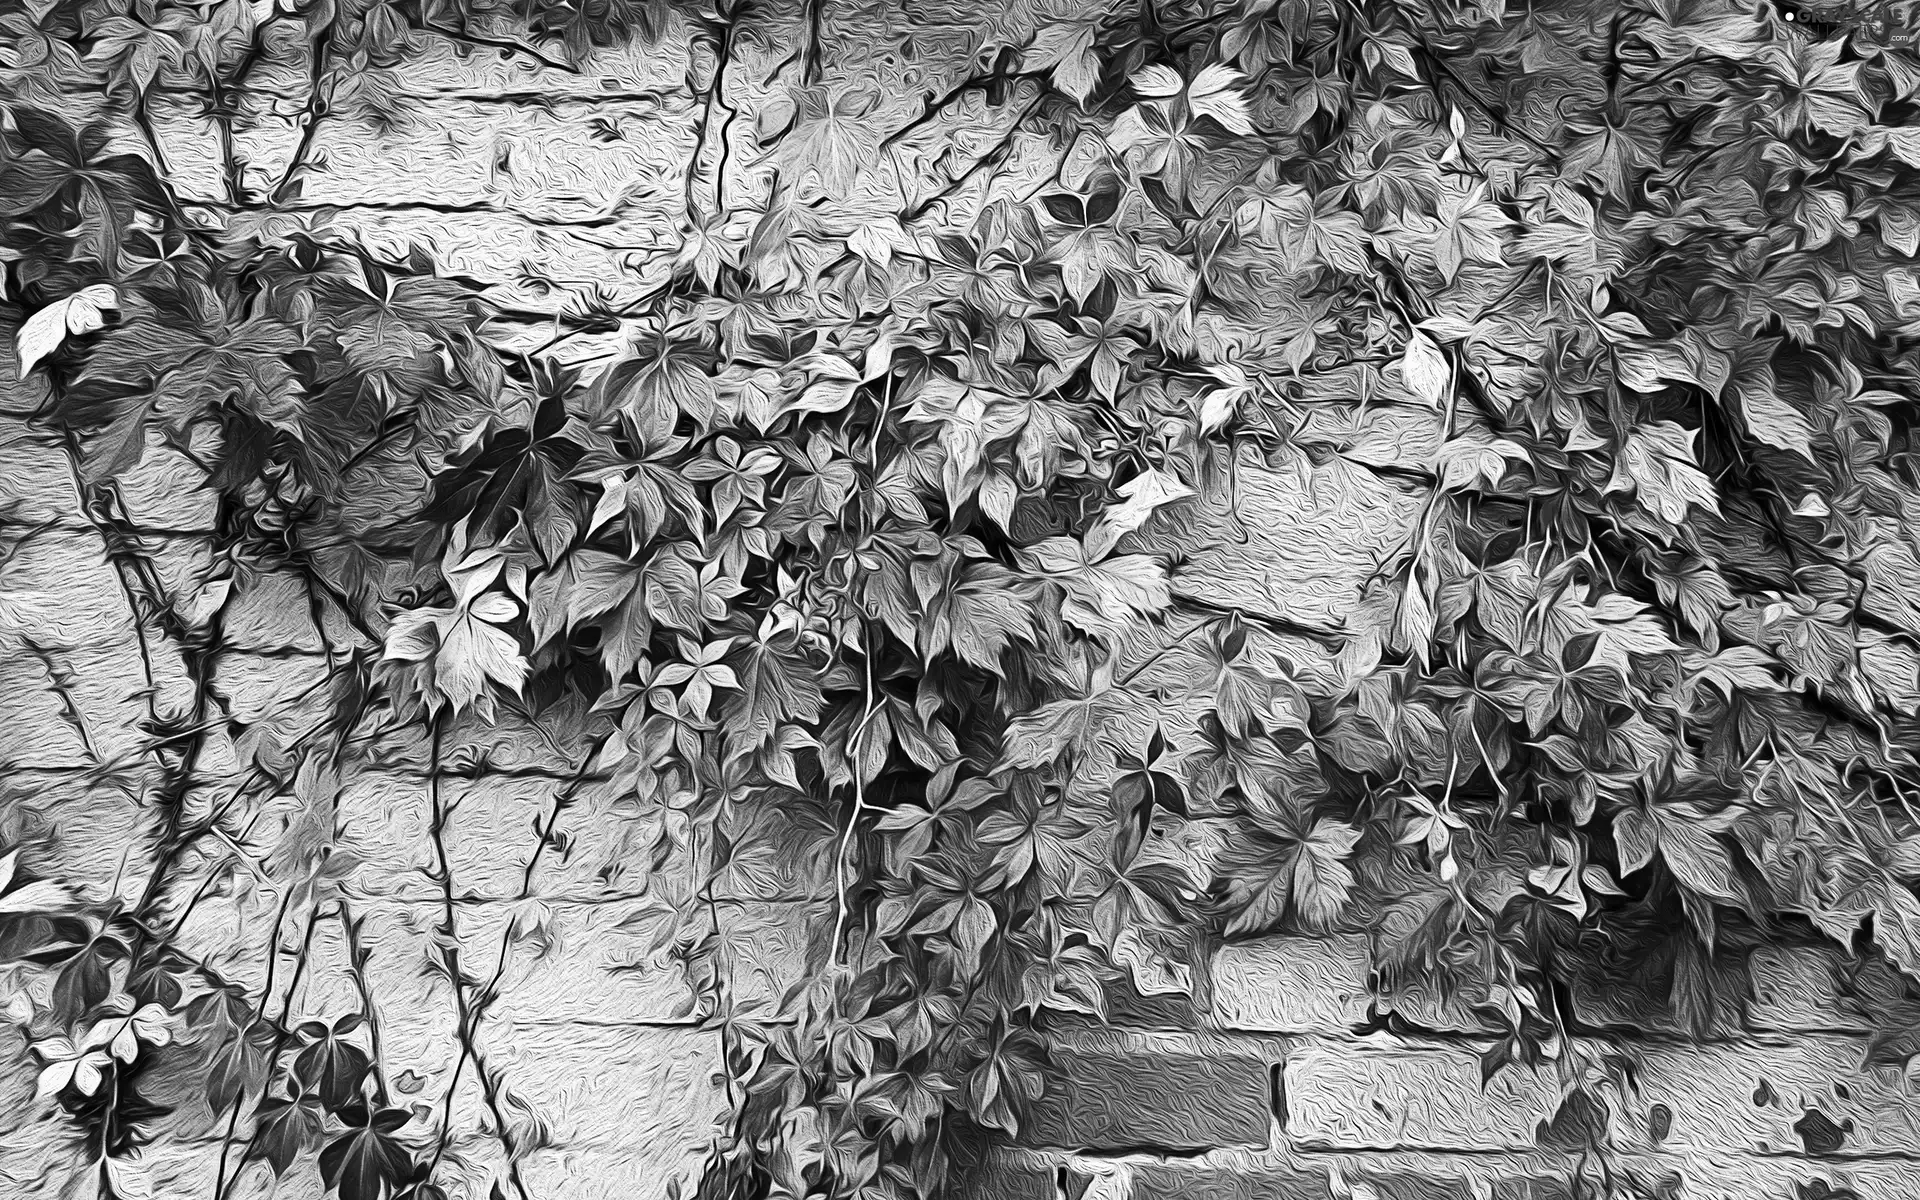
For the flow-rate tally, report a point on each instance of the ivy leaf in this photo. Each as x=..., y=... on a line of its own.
x=701, y=674
x=653, y=389
x=511, y=472
x=1306, y=875
x=1470, y=230
x=367, y=1162
x=1896, y=926
x=1146, y=784
x=1770, y=418
x=972, y=929
x=333, y=1069
x=970, y=420
x=1140, y=497
x=475, y=652
x=1058, y=727
x=1217, y=405
x=1424, y=368
x=242, y=1066
x=1321, y=880
x=985, y=614
x=1214, y=93
x=81, y=313
x=1067, y=47
x=1304, y=228
x=833, y=141
x=1691, y=847
x=1154, y=973
x=774, y=688
x=68, y=1065
x=1157, y=82
x=42, y=895
x=1739, y=669
x=1087, y=257
x=1106, y=598
x=284, y=1128
x=1657, y=465
x=1477, y=463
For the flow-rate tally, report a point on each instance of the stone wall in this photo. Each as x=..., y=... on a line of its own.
x=562, y=189
x=1271, y=1092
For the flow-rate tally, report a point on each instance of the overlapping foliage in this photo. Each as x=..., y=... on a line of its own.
x=312, y=384
x=1635, y=696
x=846, y=532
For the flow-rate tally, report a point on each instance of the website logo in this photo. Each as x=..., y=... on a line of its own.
x=1890, y=24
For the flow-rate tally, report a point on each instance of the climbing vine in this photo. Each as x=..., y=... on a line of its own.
x=872, y=523
x=307, y=387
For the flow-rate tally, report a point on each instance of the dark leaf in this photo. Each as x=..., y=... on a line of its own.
x=368, y=1162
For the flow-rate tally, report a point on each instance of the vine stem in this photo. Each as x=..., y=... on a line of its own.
x=71, y=445
x=220, y=1181
x=714, y=99
x=841, y=859
x=198, y=654
x=811, y=58
x=467, y=1011
x=512, y=45
x=731, y=17
x=722, y=972
x=357, y=955
x=319, y=97
x=450, y=952
x=489, y=1081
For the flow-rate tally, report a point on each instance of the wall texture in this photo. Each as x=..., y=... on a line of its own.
x=563, y=191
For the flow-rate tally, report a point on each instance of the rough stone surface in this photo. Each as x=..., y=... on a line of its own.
x=1285, y=538
x=1747, y=1098
x=1169, y=1092
x=1386, y=1094
x=1291, y=984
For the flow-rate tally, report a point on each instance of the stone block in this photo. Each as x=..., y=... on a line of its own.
x=441, y=67
x=1301, y=1179
x=271, y=687
x=1291, y=984
x=1271, y=1174
x=526, y=265
x=1176, y=1179
x=1294, y=542
x=648, y=1093
x=39, y=1156
x=540, y=161
x=1153, y=1090
x=37, y=485
x=1773, y=1095
x=272, y=612
x=1406, y=437
x=65, y=596
x=646, y=1169
x=576, y=963
x=491, y=831
x=1389, y=1094
x=166, y=491
x=554, y=745
x=1010, y=1175
x=99, y=855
